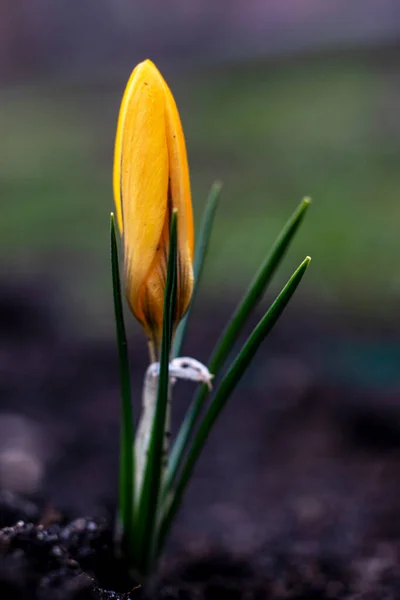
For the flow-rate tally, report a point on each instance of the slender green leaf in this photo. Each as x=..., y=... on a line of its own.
x=231, y=333
x=147, y=515
x=127, y=462
x=199, y=259
x=225, y=390
x=258, y=285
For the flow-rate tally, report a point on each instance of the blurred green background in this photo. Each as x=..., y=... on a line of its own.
x=317, y=122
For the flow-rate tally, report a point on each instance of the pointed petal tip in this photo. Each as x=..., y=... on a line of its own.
x=147, y=66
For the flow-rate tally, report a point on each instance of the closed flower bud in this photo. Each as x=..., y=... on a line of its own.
x=151, y=179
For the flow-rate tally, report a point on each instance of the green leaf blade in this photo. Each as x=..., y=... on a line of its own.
x=147, y=518
x=224, y=391
x=231, y=333
x=258, y=286
x=127, y=461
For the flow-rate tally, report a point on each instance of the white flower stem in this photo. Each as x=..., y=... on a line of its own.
x=179, y=368
x=145, y=426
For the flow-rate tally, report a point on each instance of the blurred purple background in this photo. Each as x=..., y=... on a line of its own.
x=51, y=36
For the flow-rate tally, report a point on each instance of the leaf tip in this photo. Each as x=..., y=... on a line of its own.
x=112, y=225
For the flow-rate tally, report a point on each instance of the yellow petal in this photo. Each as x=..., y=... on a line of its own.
x=143, y=173
x=151, y=178
x=180, y=198
x=126, y=99
x=179, y=174
x=150, y=301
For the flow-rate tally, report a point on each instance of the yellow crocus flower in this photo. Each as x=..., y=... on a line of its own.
x=151, y=179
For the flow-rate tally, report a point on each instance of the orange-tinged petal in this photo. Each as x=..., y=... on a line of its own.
x=179, y=174
x=150, y=302
x=180, y=198
x=143, y=175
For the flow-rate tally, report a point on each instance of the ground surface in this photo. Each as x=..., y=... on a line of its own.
x=296, y=495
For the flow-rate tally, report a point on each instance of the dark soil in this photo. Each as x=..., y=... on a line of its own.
x=297, y=494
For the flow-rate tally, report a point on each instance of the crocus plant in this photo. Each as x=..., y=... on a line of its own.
x=162, y=270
